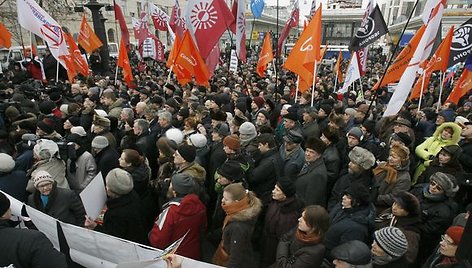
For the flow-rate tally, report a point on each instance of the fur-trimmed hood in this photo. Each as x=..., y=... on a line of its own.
x=250, y=213
x=456, y=136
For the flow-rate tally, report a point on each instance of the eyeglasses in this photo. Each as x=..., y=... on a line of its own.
x=436, y=185
x=448, y=241
x=46, y=185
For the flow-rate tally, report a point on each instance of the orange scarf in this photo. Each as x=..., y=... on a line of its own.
x=307, y=238
x=391, y=176
x=234, y=208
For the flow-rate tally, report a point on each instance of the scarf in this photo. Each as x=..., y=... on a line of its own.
x=73, y=158
x=382, y=260
x=233, y=208
x=391, y=177
x=307, y=238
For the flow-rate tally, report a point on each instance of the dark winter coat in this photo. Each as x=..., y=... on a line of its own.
x=345, y=181
x=123, y=219
x=263, y=176
x=14, y=183
x=350, y=224
x=332, y=162
x=311, y=129
x=281, y=217
x=387, y=190
x=292, y=253
x=312, y=182
x=293, y=162
x=434, y=261
x=63, y=204
x=107, y=159
x=27, y=248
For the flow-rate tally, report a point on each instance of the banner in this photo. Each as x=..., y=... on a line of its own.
x=461, y=45
x=233, y=64
x=87, y=39
x=352, y=74
x=370, y=31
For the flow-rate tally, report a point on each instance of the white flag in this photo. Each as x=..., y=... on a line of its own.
x=241, y=31
x=34, y=19
x=421, y=53
x=352, y=73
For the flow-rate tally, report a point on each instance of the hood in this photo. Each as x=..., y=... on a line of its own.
x=364, y=215
x=140, y=173
x=196, y=171
x=250, y=213
x=190, y=205
x=456, y=136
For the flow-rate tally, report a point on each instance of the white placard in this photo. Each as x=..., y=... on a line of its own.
x=94, y=196
x=45, y=224
x=233, y=64
x=15, y=205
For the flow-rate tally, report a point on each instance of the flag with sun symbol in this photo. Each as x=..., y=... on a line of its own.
x=159, y=18
x=177, y=21
x=241, y=31
x=207, y=20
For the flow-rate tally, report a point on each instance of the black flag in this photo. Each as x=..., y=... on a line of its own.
x=371, y=29
x=461, y=45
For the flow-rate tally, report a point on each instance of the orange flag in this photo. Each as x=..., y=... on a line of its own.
x=395, y=71
x=464, y=84
x=265, y=56
x=80, y=64
x=305, y=85
x=5, y=37
x=189, y=61
x=87, y=37
x=123, y=62
x=438, y=62
x=173, y=51
x=337, y=67
x=306, y=51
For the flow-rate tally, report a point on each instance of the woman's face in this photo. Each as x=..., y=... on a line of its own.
x=346, y=202
x=122, y=161
x=227, y=198
x=444, y=157
x=277, y=194
x=45, y=188
x=446, y=134
x=398, y=211
x=394, y=159
x=435, y=188
x=302, y=225
x=447, y=246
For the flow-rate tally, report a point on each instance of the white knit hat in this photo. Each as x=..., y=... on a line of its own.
x=7, y=163
x=175, y=134
x=198, y=140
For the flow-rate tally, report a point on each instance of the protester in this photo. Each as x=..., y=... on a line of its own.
x=389, y=248
x=12, y=182
x=352, y=254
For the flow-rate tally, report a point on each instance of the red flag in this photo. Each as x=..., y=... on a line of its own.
x=123, y=62
x=159, y=18
x=87, y=39
x=189, y=60
x=337, y=67
x=234, y=11
x=177, y=21
x=207, y=20
x=123, y=27
x=173, y=52
x=464, y=84
x=265, y=56
x=213, y=59
x=241, y=31
x=292, y=21
x=80, y=64
x=5, y=37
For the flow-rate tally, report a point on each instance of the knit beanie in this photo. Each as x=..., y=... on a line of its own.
x=287, y=186
x=119, y=181
x=353, y=252
x=455, y=233
x=232, y=141
x=175, y=135
x=198, y=140
x=408, y=202
x=259, y=101
x=183, y=183
x=4, y=204
x=362, y=157
x=46, y=125
x=356, y=132
x=79, y=131
x=100, y=142
x=40, y=177
x=447, y=182
x=231, y=170
x=392, y=240
x=248, y=128
x=448, y=115
x=222, y=129
x=7, y=163
x=188, y=152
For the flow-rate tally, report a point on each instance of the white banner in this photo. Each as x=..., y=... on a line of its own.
x=233, y=64
x=94, y=196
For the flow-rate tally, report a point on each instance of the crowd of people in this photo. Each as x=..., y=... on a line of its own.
x=247, y=169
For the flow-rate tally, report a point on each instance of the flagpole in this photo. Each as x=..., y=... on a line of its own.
x=170, y=72
x=374, y=97
x=421, y=92
x=313, y=85
x=335, y=82
x=252, y=29
x=296, y=90
x=57, y=71
x=441, y=89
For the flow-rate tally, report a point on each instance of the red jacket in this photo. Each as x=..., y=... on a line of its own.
x=178, y=217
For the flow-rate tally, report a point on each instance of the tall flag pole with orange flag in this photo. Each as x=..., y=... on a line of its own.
x=5, y=36
x=337, y=69
x=464, y=84
x=123, y=63
x=80, y=64
x=87, y=39
x=173, y=55
x=265, y=56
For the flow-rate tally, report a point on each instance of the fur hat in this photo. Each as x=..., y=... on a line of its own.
x=408, y=202
x=4, y=204
x=287, y=186
x=402, y=151
x=8, y=164
x=175, y=135
x=119, y=181
x=46, y=125
x=402, y=137
x=198, y=140
x=359, y=192
x=293, y=136
x=292, y=115
x=188, y=152
x=326, y=108
x=232, y=141
x=231, y=170
x=392, y=240
x=331, y=134
x=315, y=144
x=447, y=182
x=362, y=157
x=41, y=176
x=369, y=125
x=166, y=146
x=239, y=119
x=45, y=149
x=183, y=183
x=455, y=233
x=403, y=121
x=100, y=142
x=353, y=252
x=218, y=115
x=101, y=121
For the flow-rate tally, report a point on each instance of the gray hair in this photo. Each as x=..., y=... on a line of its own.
x=142, y=123
x=129, y=112
x=165, y=115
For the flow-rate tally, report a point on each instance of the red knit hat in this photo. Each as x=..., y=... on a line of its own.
x=232, y=141
x=455, y=233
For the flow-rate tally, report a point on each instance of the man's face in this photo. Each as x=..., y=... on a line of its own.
x=467, y=132
x=352, y=141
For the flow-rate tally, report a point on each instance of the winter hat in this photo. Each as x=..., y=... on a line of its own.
x=222, y=129
x=312, y=112
x=184, y=112
x=79, y=131
x=369, y=125
x=46, y=107
x=119, y=181
x=8, y=164
x=359, y=192
x=392, y=240
x=293, y=136
x=326, y=108
x=45, y=149
x=402, y=137
x=101, y=121
x=315, y=144
x=188, y=152
x=100, y=142
x=4, y=204
x=362, y=108
x=239, y=119
x=166, y=146
x=448, y=115
x=40, y=177
x=362, y=157
x=447, y=182
x=46, y=125
x=12, y=113
x=232, y=141
x=408, y=202
x=287, y=186
x=353, y=252
x=74, y=120
x=454, y=150
x=460, y=120
x=350, y=111
x=175, y=134
x=198, y=140
x=292, y=115
x=403, y=121
x=218, y=115
x=259, y=101
x=241, y=105
x=73, y=109
x=455, y=233
x=264, y=112
x=75, y=138
x=402, y=151
x=356, y=132
x=248, y=128
x=331, y=134
x=469, y=104
x=28, y=125
x=183, y=183
x=172, y=102
x=231, y=170
x=64, y=109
